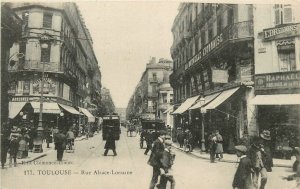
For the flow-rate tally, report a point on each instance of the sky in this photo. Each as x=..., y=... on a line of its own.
x=125, y=35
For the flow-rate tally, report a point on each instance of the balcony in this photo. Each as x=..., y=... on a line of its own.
x=241, y=30
x=153, y=80
x=31, y=65
x=187, y=35
x=163, y=106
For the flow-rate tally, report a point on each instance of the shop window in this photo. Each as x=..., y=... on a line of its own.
x=45, y=53
x=283, y=14
x=47, y=20
x=286, y=57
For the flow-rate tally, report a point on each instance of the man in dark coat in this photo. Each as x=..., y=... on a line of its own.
x=60, y=144
x=242, y=178
x=13, y=147
x=154, y=160
x=4, y=144
x=149, y=141
x=110, y=143
x=212, y=147
x=267, y=154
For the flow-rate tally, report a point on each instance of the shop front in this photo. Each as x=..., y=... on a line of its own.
x=278, y=110
x=223, y=111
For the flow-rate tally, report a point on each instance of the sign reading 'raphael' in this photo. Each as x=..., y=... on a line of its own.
x=277, y=80
x=282, y=32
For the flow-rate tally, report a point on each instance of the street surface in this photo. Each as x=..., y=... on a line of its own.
x=87, y=168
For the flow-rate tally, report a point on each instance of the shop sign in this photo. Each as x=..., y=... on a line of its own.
x=49, y=86
x=278, y=80
x=281, y=32
x=208, y=48
x=245, y=72
x=219, y=76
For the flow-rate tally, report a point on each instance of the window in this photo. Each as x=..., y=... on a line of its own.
x=47, y=20
x=26, y=87
x=203, y=41
x=20, y=87
x=22, y=49
x=230, y=16
x=45, y=53
x=286, y=56
x=219, y=24
x=25, y=16
x=154, y=76
x=171, y=98
x=283, y=14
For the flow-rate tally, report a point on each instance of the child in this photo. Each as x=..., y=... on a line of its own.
x=166, y=169
x=242, y=178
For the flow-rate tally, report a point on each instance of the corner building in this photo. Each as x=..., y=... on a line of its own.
x=213, y=68
x=72, y=79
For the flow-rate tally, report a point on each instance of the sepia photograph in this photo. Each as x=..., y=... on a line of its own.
x=150, y=94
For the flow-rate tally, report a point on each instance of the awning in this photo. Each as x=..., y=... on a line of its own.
x=168, y=110
x=278, y=99
x=186, y=105
x=220, y=99
x=69, y=109
x=48, y=107
x=91, y=118
x=208, y=99
x=14, y=108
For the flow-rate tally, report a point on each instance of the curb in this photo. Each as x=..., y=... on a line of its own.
x=35, y=158
x=223, y=160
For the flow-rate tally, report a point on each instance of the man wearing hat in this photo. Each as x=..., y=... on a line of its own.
x=267, y=152
x=242, y=178
x=154, y=160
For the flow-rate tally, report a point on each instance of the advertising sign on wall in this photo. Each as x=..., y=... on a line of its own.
x=219, y=76
x=279, y=80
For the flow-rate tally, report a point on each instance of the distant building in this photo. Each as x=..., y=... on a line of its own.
x=107, y=102
x=144, y=102
x=121, y=112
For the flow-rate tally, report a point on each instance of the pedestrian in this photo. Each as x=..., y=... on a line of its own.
x=23, y=145
x=255, y=155
x=110, y=142
x=297, y=161
x=212, y=146
x=154, y=160
x=13, y=146
x=219, y=147
x=48, y=136
x=60, y=144
x=4, y=144
x=167, y=160
x=55, y=131
x=32, y=134
x=267, y=154
x=242, y=178
x=149, y=141
x=70, y=139
x=180, y=137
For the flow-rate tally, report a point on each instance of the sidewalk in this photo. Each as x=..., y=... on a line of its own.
x=34, y=156
x=232, y=158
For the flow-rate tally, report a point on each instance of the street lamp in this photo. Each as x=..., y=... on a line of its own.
x=203, y=111
x=44, y=39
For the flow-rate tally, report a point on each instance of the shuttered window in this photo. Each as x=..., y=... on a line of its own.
x=47, y=20
x=283, y=14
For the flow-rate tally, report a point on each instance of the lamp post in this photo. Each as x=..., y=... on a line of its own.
x=44, y=39
x=203, y=111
